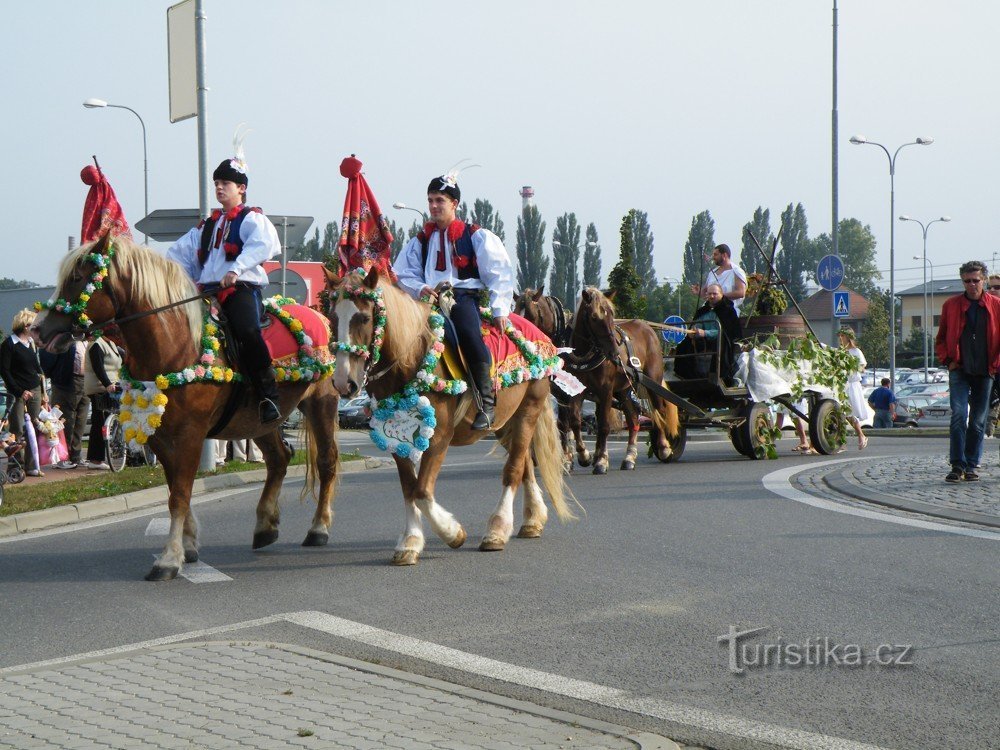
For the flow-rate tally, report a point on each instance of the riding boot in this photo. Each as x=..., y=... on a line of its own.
x=267, y=390
x=487, y=400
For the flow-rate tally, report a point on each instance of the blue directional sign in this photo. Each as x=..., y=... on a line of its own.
x=674, y=337
x=841, y=304
x=830, y=272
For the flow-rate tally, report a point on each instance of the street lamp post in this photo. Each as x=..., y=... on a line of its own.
x=858, y=140
x=100, y=104
x=924, y=228
x=404, y=207
x=930, y=332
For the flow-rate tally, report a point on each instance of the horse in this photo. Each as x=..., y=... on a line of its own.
x=159, y=319
x=550, y=315
x=386, y=344
x=599, y=348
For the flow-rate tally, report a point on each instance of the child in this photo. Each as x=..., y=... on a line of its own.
x=50, y=424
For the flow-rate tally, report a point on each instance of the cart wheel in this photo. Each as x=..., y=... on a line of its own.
x=114, y=443
x=677, y=444
x=3, y=478
x=752, y=433
x=15, y=475
x=826, y=424
x=736, y=437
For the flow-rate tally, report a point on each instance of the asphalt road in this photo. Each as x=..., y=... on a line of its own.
x=631, y=599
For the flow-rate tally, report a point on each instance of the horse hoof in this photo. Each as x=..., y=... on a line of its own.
x=459, y=539
x=316, y=539
x=568, y=467
x=529, y=532
x=600, y=469
x=162, y=573
x=628, y=465
x=405, y=557
x=492, y=545
x=264, y=538
x=190, y=555
x=583, y=460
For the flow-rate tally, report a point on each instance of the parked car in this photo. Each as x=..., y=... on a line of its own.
x=936, y=414
x=934, y=390
x=353, y=413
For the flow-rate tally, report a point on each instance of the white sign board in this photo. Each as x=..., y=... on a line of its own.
x=181, y=58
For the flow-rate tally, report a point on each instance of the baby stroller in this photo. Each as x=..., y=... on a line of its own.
x=12, y=470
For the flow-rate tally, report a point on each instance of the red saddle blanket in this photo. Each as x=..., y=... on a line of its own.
x=507, y=358
x=282, y=344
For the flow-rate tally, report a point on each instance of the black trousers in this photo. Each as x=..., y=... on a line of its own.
x=468, y=326
x=243, y=309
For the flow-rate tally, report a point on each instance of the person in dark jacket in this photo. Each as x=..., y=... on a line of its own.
x=22, y=376
x=718, y=321
x=968, y=344
x=65, y=374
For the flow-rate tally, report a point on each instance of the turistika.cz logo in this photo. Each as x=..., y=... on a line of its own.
x=820, y=651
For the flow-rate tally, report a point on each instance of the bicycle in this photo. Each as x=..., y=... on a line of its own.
x=118, y=453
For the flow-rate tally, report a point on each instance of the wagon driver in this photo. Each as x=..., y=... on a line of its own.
x=471, y=259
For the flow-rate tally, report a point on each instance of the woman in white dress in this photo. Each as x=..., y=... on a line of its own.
x=859, y=408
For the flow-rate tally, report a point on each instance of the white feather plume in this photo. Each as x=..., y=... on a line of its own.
x=239, y=161
x=451, y=176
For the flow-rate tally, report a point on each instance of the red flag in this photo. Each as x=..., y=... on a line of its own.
x=365, y=238
x=101, y=212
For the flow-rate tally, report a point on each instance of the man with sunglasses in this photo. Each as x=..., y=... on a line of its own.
x=968, y=344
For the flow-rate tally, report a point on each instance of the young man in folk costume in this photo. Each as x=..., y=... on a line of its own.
x=226, y=252
x=471, y=259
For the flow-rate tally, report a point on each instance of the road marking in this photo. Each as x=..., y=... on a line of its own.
x=780, y=483
x=158, y=527
x=200, y=572
x=758, y=733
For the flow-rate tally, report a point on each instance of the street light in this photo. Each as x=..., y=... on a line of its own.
x=924, y=228
x=99, y=104
x=859, y=140
x=404, y=207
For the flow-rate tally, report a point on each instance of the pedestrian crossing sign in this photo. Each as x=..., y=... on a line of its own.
x=841, y=305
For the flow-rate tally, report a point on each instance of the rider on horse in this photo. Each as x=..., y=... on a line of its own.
x=226, y=252
x=470, y=259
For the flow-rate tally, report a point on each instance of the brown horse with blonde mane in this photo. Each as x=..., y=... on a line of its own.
x=524, y=425
x=155, y=307
x=600, y=347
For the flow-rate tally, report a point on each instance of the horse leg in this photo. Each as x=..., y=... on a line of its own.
x=442, y=522
x=603, y=428
x=411, y=542
x=583, y=456
x=632, y=420
x=323, y=458
x=563, y=415
x=276, y=456
x=190, y=538
x=180, y=468
x=658, y=437
x=535, y=512
x=520, y=429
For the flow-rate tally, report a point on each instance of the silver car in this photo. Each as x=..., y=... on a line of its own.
x=936, y=414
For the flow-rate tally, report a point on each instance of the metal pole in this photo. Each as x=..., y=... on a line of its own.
x=926, y=362
x=834, y=323
x=892, y=272
x=284, y=253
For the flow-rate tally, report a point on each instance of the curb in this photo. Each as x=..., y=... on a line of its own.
x=38, y=520
x=837, y=482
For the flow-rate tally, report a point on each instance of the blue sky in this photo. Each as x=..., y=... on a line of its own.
x=668, y=107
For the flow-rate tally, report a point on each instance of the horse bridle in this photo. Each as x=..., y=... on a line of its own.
x=372, y=351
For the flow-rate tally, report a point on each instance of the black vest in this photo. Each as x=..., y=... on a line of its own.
x=464, y=258
x=232, y=245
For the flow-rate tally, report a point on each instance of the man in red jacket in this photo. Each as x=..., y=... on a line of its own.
x=968, y=344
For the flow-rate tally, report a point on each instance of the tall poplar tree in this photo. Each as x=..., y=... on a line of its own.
x=751, y=260
x=484, y=216
x=564, y=282
x=623, y=280
x=796, y=256
x=642, y=237
x=532, y=262
x=700, y=241
x=398, y=239
x=592, y=258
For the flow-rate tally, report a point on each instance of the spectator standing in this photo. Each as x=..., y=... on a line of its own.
x=730, y=277
x=854, y=392
x=104, y=360
x=883, y=401
x=66, y=377
x=23, y=378
x=968, y=344
x=993, y=287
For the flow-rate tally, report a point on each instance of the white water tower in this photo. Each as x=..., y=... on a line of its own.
x=527, y=195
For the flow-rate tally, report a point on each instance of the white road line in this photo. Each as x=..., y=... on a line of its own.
x=746, y=729
x=779, y=482
x=158, y=527
x=200, y=572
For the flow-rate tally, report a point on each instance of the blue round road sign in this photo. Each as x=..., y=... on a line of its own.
x=830, y=272
x=674, y=337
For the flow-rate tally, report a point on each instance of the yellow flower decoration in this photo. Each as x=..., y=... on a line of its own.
x=295, y=326
x=130, y=434
x=210, y=329
x=84, y=297
x=141, y=401
x=127, y=398
x=159, y=400
x=154, y=420
x=279, y=373
x=125, y=416
x=140, y=438
x=215, y=344
x=216, y=373
x=162, y=383
x=228, y=374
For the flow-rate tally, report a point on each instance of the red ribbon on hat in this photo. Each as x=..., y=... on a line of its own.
x=102, y=213
x=365, y=239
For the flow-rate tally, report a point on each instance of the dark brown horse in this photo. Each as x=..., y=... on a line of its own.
x=137, y=283
x=600, y=346
x=550, y=315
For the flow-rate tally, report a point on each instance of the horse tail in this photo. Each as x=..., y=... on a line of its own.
x=666, y=419
x=312, y=470
x=548, y=456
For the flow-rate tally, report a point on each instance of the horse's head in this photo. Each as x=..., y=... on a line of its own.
x=81, y=298
x=595, y=321
x=531, y=306
x=357, y=321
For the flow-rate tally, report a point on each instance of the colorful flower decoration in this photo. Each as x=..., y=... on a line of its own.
x=78, y=310
x=352, y=288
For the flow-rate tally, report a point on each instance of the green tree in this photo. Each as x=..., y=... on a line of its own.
x=642, y=240
x=592, y=258
x=398, y=239
x=485, y=216
x=462, y=212
x=857, y=249
x=308, y=250
x=874, y=338
x=331, y=237
x=532, y=262
x=414, y=229
x=624, y=281
x=751, y=260
x=796, y=256
x=564, y=282
x=700, y=241
x=6, y=283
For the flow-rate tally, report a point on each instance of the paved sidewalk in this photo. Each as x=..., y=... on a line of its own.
x=216, y=696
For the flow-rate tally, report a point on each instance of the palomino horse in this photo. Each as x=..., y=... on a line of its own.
x=385, y=339
x=549, y=314
x=126, y=285
x=599, y=349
